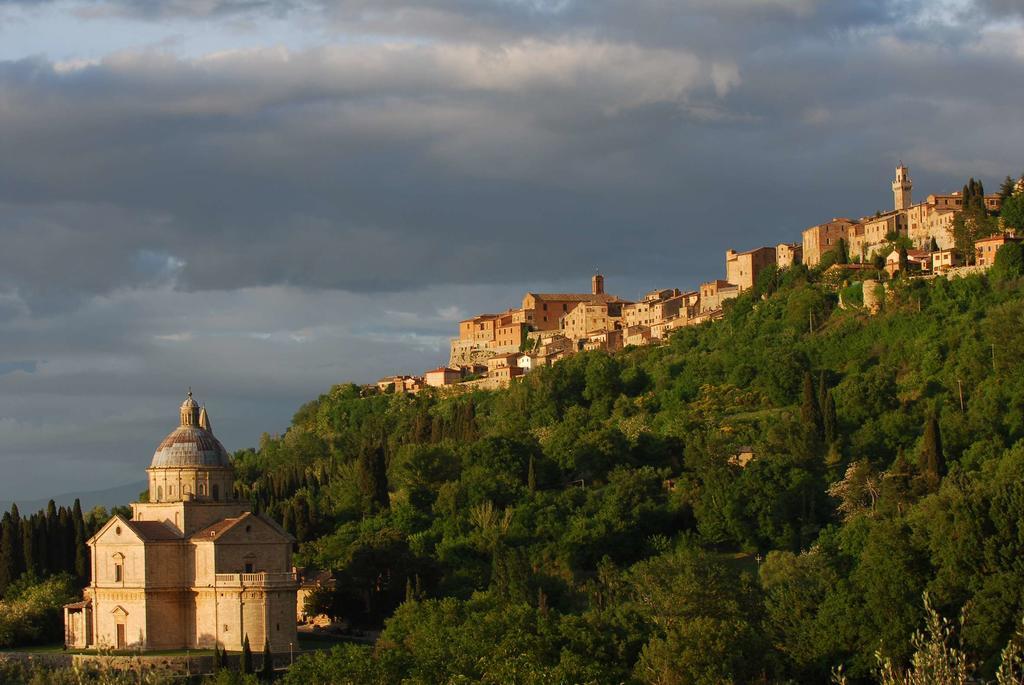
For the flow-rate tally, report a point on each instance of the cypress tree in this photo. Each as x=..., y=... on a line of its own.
x=39, y=544
x=66, y=541
x=828, y=418
x=8, y=564
x=904, y=261
x=933, y=463
x=822, y=390
x=28, y=546
x=373, y=478
x=53, y=550
x=224, y=658
x=81, y=556
x=267, y=667
x=301, y=518
x=810, y=412
x=17, y=550
x=245, y=666
x=288, y=519
x=531, y=476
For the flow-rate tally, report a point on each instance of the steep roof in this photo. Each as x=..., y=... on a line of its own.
x=153, y=531
x=218, y=529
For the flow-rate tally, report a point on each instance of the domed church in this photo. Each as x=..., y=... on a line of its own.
x=193, y=567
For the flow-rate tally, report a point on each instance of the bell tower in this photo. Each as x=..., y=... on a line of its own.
x=901, y=187
x=597, y=284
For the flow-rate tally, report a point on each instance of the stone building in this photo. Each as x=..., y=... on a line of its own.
x=590, y=317
x=442, y=376
x=544, y=311
x=817, y=240
x=743, y=268
x=193, y=567
x=985, y=248
x=788, y=254
x=714, y=293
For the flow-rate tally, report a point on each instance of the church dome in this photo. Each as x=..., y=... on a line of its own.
x=192, y=443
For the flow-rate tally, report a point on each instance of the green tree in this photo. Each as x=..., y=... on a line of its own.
x=373, y=478
x=700, y=613
x=842, y=252
x=1009, y=262
x=1012, y=212
x=810, y=412
x=8, y=555
x=933, y=463
x=267, y=665
x=245, y=665
x=1006, y=189
x=830, y=422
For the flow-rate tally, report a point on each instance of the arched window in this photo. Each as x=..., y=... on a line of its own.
x=202, y=489
x=159, y=493
x=216, y=491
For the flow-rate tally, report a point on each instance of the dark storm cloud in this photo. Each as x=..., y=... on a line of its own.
x=384, y=166
x=262, y=223
x=1002, y=8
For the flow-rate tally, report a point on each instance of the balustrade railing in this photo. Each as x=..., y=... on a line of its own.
x=266, y=578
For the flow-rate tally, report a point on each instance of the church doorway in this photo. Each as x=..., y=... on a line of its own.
x=121, y=641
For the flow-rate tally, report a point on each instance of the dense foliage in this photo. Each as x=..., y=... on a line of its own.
x=593, y=524
x=598, y=522
x=30, y=611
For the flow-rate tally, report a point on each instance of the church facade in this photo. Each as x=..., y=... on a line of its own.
x=193, y=568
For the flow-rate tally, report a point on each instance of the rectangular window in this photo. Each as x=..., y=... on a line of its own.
x=118, y=573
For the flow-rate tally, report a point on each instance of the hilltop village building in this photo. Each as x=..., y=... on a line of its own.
x=547, y=327
x=193, y=567
x=923, y=223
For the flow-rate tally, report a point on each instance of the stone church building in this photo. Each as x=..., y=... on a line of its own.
x=193, y=567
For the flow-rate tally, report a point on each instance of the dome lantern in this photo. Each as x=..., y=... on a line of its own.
x=189, y=411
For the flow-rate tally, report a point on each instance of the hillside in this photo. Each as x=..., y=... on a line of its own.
x=593, y=522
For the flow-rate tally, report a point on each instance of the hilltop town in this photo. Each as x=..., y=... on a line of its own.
x=916, y=239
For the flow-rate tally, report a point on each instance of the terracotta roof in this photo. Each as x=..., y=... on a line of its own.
x=219, y=528
x=153, y=531
x=756, y=249
x=214, y=531
x=79, y=605
x=442, y=368
x=577, y=297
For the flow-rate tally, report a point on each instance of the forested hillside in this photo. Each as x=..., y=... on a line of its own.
x=593, y=523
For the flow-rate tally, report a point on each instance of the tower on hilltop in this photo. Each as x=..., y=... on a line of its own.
x=901, y=187
x=597, y=284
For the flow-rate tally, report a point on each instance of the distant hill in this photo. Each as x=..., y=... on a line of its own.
x=122, y=494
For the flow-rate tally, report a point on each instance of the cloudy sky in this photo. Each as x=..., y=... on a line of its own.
x=262, y=198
